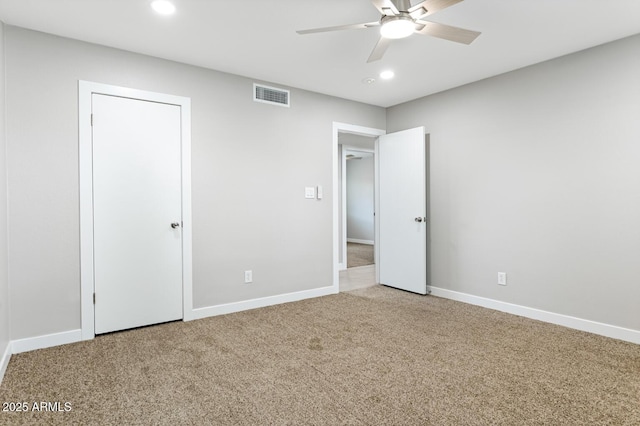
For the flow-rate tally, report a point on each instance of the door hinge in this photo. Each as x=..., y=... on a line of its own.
x=94, y=298
x=91, y=120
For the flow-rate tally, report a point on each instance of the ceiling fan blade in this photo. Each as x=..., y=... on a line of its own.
x=386, y=7
x=378, y=51
x=429, y=7
x=447, y=32
x=340, y=27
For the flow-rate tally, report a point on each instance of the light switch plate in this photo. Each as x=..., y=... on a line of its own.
x=309, y=192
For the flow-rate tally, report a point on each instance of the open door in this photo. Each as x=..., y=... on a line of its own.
x=401, y=212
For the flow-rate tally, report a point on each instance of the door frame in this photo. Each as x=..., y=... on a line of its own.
x=87, y=285
x=356, y=130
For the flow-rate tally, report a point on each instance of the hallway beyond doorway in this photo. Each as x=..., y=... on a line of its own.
x=359, y=255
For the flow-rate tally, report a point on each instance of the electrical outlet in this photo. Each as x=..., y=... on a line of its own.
x=502, y=278
x=248, y=276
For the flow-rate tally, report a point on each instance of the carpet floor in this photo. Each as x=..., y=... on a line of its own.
x=359, y=255
x=375, y=356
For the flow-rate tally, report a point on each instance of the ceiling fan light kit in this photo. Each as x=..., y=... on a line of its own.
x=400, y=19
x=395, y=27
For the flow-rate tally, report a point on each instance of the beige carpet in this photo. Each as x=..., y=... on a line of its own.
x=359, y=255
x=376, y=356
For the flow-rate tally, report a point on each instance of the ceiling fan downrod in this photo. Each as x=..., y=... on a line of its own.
x=402, y=5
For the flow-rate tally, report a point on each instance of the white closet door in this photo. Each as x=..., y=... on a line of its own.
x=137, y=198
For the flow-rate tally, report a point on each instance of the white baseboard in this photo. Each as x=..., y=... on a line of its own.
x=602, y=329
x=46, y=341
x=63, y=338
x=355, y=240
x=244, y=305
x=4, y=361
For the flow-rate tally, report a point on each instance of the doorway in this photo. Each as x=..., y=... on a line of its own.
x=358, y=228
x=401, y=208
x=358, y=212
x=135, y=208
x=358, y=193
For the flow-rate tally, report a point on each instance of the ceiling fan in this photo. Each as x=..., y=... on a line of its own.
x=400, y=19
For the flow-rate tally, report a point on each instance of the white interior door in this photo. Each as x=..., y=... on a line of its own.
x=401, y=213
x=136, y=199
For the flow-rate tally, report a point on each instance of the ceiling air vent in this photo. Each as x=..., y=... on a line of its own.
x=270, y=95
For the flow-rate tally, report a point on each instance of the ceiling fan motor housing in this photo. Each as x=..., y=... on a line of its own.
x=403, y=16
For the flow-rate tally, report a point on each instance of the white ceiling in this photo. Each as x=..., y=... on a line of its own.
x=263, y=43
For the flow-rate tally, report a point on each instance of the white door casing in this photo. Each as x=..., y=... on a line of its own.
x=177, y=241
x=401, y=210
x=137, y=216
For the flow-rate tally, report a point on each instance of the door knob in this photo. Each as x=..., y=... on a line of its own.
x=174, y=225
x=418, y=219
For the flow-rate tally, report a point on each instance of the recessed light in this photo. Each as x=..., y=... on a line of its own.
x=386, y=75
x=163, y=7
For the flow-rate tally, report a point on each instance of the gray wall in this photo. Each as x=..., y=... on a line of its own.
x=537, y=173
x=360, y=191
x=4, y=283
x=251, y=162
